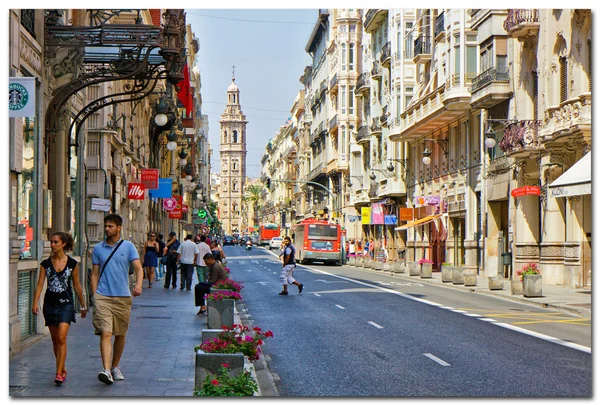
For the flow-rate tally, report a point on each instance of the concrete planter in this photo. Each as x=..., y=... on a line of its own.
x=358, y=261
x=220, y=313
x=399, y=267
x=377, y=265
x=387, y=266
x=532, y=285
x=447, y=274
x=516, y=287
x=367, y=261
x=426, y=270
x=352, y=261
x=457, y=275
x=414, y=269
x=496, y=282
x=209, y=363
x=470, y=279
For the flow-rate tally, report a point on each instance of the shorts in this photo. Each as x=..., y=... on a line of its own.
x=111, y=314
x=286, y=274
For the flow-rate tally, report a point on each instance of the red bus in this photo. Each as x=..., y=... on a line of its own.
x=266, y=232
x=318, y=241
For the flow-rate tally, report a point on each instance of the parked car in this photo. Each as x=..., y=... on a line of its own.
x=228, y=241
x=275, y=243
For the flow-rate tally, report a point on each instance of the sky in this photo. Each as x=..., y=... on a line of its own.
x=267, y=48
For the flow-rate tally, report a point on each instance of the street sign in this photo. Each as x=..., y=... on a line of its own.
x=135, y=191
x=100, y=204
x=205, y=229
x=169, y=204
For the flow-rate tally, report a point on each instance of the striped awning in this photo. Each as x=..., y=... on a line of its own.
x=418, y=222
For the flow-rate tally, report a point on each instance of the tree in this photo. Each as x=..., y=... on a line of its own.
x=252, y=196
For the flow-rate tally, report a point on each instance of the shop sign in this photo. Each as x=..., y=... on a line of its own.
x=391, y=220
x=421, y=201
x=135, y=191
x=423, y=212
x=177, y=212
x=165, y=187
x=185, y=208
x=407, y=214
x=150, y=178
x=169, y=203
x=21, y=96
x=100, y=204
x=526, y=190
x=365, y=213
x=377, y=217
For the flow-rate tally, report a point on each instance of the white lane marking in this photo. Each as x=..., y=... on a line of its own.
x=546, y=337
x=329, y=282
x=339, y=306
x=383, y=283
x=410, y=297
x=487, y=319
x=274, y=273
x=447, y=307
x=376, y=325
x=473, y=315
x=436, y=359
x=460, y=311
x=241, y=261
x=318, y=295
x=263, y=283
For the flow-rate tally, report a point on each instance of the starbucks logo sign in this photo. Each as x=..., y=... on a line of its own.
x=18, y=96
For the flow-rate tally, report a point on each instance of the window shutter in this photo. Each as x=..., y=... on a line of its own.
x=563, y=79
x=589, y=45
x=24, y=303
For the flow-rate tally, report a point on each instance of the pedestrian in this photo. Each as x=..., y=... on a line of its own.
x=161, y=255
x=187, y=255
x=201, y=267
x=172, y=245
x=372, y=248
x=351, y=249
x=288, y=267
x=59, y=310
x=347, y=249
x=112, y=299
x=214, y=249
x=151, y=257
x=217, y=273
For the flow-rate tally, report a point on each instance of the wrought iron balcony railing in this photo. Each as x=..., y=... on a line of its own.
x=370, y=14
x=494, y=74
x=333, y=82
x=333, y=122
x=362, y=83
x=375, y=126
x=376, y=70
x=386, y=53
x=519, y=16
x=521, y=136
x=28, y=20
x=422, y=46
x=439, y=24
x=363, y=134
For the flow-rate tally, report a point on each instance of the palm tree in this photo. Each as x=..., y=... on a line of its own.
x=252, y=196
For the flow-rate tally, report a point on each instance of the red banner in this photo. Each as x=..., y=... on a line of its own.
x=407, y=214
x=150, y=179
x=185, y=208
x=135, y=191
x=177, y=212
x=527, y=190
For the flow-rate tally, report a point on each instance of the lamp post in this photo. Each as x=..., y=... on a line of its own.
x=372, y=175
x=443, y=144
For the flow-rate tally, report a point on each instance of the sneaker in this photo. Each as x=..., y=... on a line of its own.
x=283, y=293
x=105, y=377
x=300, y=287
x=116, y=374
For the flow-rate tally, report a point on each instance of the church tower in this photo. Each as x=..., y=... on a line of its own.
x=233, y=161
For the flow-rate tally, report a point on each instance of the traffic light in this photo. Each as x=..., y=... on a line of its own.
x=268, y=183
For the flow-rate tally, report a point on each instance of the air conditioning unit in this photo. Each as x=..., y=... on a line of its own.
x=127, y=160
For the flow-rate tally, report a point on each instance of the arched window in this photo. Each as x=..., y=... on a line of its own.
x=235, y=137
x=225, y=137
x=234, y=99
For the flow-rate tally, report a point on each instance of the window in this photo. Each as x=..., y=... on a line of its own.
x=343, y=100
x=343, y=139
x=564, y=89
x=343, y=58
x=225, y=137
x=235, y=136
x=351, y=58
x=26, y=191
x=351, y=100
x=408, y=41
x=408, y=95
x=471, y=62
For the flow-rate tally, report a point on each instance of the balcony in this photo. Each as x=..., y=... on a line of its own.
x=439, y=25
x=386, y=55
x=570, y=117
x=322, y=87
x=520, y=22
x=363, y=84
x=361, y=197
x=490, y=88
x=422, y=49
x=374, y=18
x=316, y=172
x=457, y=95
x=376, y=72
x=520, y=139
x=375, y=127
x=333, y=84
x=363, y=136
x=333, y=124
x=384, y=116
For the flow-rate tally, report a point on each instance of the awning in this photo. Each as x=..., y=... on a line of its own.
x=575, y=181
x=418, y=222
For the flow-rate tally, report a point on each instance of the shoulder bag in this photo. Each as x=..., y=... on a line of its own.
x=108, y=260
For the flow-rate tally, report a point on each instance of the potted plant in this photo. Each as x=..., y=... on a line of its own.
x=532, y=280
x=447, y=272
x=221, y=308
x=227, y=284
x=414, y=269
x=222, y=384
x=426, y=267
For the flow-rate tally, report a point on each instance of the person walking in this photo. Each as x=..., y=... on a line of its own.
x=112, y=299
x=217, y=273
x=160, y=255
x=201, y=267
x=372, y=248
x=151, y=257
x=351, y=249
x=288, y=267
x=59, y=310
x=187, y=255
x=172, y=245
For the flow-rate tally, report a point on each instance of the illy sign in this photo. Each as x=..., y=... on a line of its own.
x=135, y=191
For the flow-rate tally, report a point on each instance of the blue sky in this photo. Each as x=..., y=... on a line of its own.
x=269, y=60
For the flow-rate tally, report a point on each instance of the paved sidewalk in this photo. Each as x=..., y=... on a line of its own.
x=578, y=301
x=158, y=359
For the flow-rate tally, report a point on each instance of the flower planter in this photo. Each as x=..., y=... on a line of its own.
x=367, y=261
x=352, y=261
x=220, y=313
x=516, y=287
x=209, y=363
x=532, y=285
x=447, y=274
x=496, y=282
x=470, y=279
x=457, y=275
x=426, y=270
x=359, y=261
x=377, y=265
x=414, y=269
x=388, y=266
x=399, y=267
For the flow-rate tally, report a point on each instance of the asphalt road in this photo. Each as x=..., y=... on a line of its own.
x=352, y=333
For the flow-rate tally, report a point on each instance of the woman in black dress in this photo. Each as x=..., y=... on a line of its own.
x=59, y=309
x=151, y=257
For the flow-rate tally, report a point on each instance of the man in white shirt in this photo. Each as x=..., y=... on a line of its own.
x=201, y=267
x=187, y=255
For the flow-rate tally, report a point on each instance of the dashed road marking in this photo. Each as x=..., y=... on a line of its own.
x=376, y=325
x=473, y=315
x=318, y=295
x=460, y=311
x=339, y=306
x=436, y=359
x=487, y=319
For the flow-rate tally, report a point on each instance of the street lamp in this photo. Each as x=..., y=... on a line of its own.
x=391, y=167
x=161, y=109
x=426, y=156
x=182, y=156
x=443, y=144
x=372, y=175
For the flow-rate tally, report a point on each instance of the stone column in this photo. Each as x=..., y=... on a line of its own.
x=58, y=175
x=527, y=218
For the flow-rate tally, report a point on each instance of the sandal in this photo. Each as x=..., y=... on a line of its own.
x=201, y=312
x=59, y=379
x=64, y=375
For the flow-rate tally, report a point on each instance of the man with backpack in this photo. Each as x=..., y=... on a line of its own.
x=288, y=267
x=172, y=246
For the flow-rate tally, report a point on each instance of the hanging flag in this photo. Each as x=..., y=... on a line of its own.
x=184, y=94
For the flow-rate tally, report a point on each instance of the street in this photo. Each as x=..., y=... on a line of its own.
x=349, y=335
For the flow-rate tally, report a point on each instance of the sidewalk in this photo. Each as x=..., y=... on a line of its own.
x=158, y=359
x=578, y=301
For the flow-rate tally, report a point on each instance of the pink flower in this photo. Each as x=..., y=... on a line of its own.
x=225, y=365
x=215, y=382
